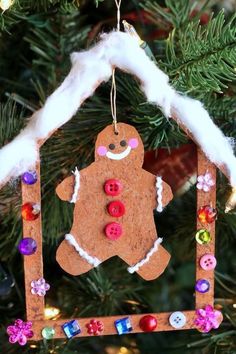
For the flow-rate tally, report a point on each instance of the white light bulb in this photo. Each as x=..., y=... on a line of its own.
x=6, y=4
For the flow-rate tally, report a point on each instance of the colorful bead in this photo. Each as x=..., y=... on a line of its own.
x=123, y=325
x=148, y=323
x=30, y=211
x=207, y=319
x=94, y=327
x=202, y=286
x=113, y=187
x=205, y=182
x=208, y=262
x=20, y=332
x=177, y=319
x=203, y=236
x=206, y=214
x=29, y=177
x=27, y=246
x=116, y=208
x=39, y=287
x=113, y=231
x=71, y=328
x=48, y=332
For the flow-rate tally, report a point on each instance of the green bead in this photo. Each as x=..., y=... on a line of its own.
x=203, y=236
x=48, y=332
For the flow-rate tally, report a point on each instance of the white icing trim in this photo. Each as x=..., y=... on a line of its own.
x=77, y=185
x=159, y=187
x=146, y=259
x=91, y=260
x=120, y=156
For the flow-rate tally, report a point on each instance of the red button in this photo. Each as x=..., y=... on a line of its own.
x=113, y=187
x=113, y=231
x=116, y=208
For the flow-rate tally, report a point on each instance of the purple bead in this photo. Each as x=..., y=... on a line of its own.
x=27, y=246
x=202, y=285
x=29, y=177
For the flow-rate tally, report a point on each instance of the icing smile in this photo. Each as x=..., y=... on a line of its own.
x=119, y=156
x=103, y=151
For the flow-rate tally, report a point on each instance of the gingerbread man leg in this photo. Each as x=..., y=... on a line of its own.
x=77, y=260
x=150, y=265
x=70, y=261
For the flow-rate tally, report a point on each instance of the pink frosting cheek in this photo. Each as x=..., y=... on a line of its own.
x=101, y=150
x=133, y=143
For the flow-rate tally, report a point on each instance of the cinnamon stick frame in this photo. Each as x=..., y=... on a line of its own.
x=33, y=268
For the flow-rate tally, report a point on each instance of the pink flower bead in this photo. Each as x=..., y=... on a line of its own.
x=20, y=332
x=205, y=182
x=207, y=319
x=39, y=287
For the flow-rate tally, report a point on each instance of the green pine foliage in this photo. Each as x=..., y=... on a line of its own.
x=36, y=39
x=199, y=58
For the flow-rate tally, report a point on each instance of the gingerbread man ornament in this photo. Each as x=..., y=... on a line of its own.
x=114, y=202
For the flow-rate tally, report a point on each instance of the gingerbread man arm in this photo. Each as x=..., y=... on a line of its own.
x=160, y=193
x=163, y=194
x=68, y=189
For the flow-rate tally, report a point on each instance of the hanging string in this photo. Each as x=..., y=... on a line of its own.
x=113, y=101
x=113, y=83
x=118, y=3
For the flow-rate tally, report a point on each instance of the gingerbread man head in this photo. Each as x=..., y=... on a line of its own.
x=119, y=147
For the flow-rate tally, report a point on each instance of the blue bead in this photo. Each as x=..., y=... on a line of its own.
x=123, y=325
x=71, y=328
x=29, y=177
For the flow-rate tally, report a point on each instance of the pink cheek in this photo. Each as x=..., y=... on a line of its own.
x=133, y=143
x=101, y=150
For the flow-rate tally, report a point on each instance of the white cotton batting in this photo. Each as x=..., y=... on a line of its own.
x=213, y=142
x=89, y=69
x=17, y=157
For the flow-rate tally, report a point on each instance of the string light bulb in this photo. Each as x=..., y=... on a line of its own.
x=6, y=4
x=119, y=350
x=231, y=202
x=51, y=313
x=133, y=33
x=123, y=350
x=131, y=30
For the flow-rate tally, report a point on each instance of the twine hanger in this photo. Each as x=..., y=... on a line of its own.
x=113, y=83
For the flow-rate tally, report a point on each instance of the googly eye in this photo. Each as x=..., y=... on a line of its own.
x=112, y=146
x=123, y=143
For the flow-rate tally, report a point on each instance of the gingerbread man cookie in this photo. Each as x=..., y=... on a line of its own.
x=114, y=202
